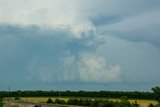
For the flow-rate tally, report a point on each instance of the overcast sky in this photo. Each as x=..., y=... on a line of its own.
x=80, y=44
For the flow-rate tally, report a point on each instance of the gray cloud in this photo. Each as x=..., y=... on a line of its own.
x=53, y=56
x=144, y=27
x=139, y=60
x=58, y=41
x=133, y=20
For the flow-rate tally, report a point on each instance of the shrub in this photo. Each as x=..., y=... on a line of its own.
x=158, y=105
x=106, y=103
x=151, y=105
x=86, y=102
x=95, y=103
x=135, y=104
x=17, y=98
x=58, y=101
x=74, y=102
x=1, y=104
x=1, y=99
x=49, y=101
x=156, y=91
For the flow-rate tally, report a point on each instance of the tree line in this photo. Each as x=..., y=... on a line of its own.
x=100, y=94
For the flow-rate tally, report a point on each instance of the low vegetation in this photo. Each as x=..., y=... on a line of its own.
x=156, y=91
x=124, y=102
x=89, y=98
x=1, y=100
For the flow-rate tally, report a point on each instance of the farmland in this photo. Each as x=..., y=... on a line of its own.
x=44, y=99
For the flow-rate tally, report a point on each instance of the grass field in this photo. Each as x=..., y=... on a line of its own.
x=143, y=103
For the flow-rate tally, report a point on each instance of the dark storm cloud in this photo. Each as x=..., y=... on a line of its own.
x=64, y=41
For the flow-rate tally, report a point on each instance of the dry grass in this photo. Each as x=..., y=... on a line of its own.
x=41, y=99
x=143, y=103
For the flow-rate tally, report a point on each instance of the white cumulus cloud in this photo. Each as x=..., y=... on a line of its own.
x=93, y=68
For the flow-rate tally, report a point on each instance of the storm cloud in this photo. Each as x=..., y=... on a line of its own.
x=53, y=56
x=91, y=41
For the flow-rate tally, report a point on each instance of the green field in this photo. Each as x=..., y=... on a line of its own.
x=143, y=103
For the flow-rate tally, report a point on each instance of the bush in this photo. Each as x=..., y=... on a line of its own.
x=102, y=103
x=135, y=104
x=49, y=101
x=80, y=102
x=124, y=98
x=74, y=102
x=17, y=98
x=95, y=103
x=156, y=91
x=1, y=104
x=124, y=102
x=106, y=103
x=158, y=105
x=86, y=102
x=151, y=105
x=1, y=99
x=58, y=101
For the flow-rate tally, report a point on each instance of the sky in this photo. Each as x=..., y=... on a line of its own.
x=80, y=44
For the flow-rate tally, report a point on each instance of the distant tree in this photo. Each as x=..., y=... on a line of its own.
x=94, y=103
x=1, y=104
x=49, y=100
x=125, y=102
x=135, y=104
x=151, y=105
x=73, y=102
x=107, y=104
x=156, y=91
x=58, y=101
x=17, y=98
x=158, y=105
x=1, y=100
x=124, y=98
